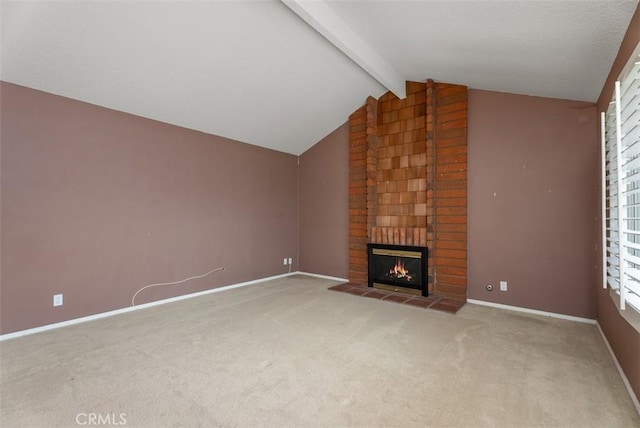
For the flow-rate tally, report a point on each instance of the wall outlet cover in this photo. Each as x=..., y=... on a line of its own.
x=57, y=300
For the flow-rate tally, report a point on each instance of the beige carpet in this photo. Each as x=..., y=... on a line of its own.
x=291, y=353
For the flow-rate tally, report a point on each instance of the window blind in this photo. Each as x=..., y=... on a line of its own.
x=621, y=189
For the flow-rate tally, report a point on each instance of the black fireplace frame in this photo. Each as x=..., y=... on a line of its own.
x=424, y=291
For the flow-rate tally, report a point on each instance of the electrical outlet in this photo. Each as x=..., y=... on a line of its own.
x=57, y=300
x=284, y=261
x=290, y=260
x=503, y=285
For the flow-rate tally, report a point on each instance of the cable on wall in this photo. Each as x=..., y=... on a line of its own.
x=171, y=283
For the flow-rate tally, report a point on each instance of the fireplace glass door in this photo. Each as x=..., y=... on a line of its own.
x=398, y=268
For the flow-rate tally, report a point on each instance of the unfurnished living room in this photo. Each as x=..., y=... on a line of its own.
x=320, y=213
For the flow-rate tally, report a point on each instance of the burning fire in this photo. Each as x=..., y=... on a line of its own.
x=399, y=271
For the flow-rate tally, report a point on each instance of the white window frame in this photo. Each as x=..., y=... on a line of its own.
x=620, y=134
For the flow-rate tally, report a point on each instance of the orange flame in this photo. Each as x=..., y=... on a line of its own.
x=400, y=271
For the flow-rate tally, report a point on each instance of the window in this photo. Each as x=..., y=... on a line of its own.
x=621, y=187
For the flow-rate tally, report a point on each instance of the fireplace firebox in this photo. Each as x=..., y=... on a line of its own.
x=399, y=268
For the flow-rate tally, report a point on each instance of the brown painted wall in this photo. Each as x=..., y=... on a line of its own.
x=97, y=203
x=324, y=205
x=623, y=338
x=532, y=174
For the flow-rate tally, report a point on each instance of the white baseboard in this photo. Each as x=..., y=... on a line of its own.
x=136, y=307
x=333, y=278
x=636, y=403
x=532, y=311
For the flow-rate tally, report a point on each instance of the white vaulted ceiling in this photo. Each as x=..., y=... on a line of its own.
x=282, y=75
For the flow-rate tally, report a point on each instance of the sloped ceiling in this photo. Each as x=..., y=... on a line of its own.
x=257, y=72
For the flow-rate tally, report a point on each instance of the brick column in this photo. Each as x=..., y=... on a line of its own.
x=372, y=163
x=408, y=181
x=451, y=191
x=430, y=127
x=362, y=173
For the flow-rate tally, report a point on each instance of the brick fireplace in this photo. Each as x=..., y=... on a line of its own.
x=408, y=181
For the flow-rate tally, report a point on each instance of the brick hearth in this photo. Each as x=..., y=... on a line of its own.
x=431, y=302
